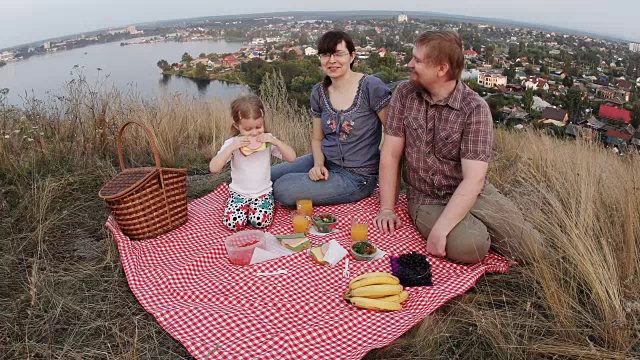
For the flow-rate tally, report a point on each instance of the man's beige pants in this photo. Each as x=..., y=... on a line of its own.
x=493, y=221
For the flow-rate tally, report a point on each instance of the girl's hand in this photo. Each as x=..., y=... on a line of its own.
x=266, y=138
x=240, y=141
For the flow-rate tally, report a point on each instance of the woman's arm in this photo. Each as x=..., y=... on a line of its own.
x=316, y=142
x=319, y=171
x=382, y=115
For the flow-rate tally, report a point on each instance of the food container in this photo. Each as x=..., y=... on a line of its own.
x=325, y=223
x=240, y=246
x=362, y=257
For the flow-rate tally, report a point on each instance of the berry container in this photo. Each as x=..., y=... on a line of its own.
x=241, y=245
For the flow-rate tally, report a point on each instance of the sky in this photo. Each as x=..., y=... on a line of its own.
x=24, y=21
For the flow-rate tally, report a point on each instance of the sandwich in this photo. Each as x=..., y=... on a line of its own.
x=254, y=146
x=318, y=253
x=294, y=242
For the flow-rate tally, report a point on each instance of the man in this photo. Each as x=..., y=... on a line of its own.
x=444, y=131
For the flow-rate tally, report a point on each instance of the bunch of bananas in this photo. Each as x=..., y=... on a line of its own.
x=376, y=291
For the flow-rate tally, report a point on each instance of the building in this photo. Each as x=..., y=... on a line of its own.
x=619, y=138
x=634, y=46
x=229, y=61
x=403, y=18
x=491, y=80
x=469, y=54
x=614, y=114
x=612, y=93
x=309, y=51
x=554, y=115
x=133, y=31
x=7, y=55
x=128, y=30
x=534, y=82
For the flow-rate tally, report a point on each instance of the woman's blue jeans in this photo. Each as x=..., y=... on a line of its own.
x=291, y=182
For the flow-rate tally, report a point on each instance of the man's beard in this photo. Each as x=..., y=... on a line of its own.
x=415, y=81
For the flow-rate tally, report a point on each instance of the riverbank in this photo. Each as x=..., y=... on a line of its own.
x=230, y=77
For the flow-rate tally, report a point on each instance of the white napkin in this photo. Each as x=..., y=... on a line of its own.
x=335, y=253
x=379, y=254
x=273, y=250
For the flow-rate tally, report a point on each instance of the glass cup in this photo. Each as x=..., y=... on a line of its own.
x=359, y=231
x=305, y=206
x=300, y=223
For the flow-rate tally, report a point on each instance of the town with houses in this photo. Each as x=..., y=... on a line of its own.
x=574, y=86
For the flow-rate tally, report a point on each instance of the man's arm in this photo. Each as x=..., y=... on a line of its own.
x=463, y=199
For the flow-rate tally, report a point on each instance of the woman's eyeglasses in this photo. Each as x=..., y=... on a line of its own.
x=336, y=55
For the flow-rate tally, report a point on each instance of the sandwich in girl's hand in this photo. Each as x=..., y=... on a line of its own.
x=250, y=192
x=254, y=146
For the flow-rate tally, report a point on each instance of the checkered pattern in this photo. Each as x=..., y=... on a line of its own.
x=224, y=311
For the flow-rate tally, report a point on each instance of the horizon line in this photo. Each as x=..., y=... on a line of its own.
x=502, y=21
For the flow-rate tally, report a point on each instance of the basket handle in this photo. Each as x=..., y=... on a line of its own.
x=149, y=136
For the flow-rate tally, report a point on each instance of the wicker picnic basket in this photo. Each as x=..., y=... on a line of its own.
x=149, y=201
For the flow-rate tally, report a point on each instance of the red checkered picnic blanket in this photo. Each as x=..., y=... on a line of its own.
x=218, y=310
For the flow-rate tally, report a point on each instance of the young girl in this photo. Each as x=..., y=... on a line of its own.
x=250, y=193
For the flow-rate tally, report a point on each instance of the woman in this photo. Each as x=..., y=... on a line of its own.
x=348, y=110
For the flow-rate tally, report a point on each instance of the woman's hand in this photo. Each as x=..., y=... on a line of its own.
x=240, y=141
x=318, y=172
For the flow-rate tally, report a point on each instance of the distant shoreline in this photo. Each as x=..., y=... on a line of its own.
x=122, y=43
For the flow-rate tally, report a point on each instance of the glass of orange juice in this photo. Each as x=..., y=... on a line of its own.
x=359, y=230
x=305, y=206
x=300, y=223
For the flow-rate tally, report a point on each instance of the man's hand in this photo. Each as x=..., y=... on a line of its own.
x=319, y=172
x=387, y=221
x=436, y=244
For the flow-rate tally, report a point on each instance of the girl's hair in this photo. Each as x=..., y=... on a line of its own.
x=327, y=45
x=245, y=107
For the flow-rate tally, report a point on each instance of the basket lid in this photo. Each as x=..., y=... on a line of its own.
x=125, y=181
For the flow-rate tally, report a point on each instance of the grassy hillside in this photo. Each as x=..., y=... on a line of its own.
x=63, y=293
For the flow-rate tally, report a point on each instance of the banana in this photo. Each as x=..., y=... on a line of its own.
x=400, y=298
x=372, y=274
x=375, y=304
x=376, y=291
x=376, y=280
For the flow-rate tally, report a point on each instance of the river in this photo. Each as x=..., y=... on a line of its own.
x=129, y=68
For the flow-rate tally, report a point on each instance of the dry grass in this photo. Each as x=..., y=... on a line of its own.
x=63, y=294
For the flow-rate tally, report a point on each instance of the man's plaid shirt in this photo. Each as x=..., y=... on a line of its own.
x=437, y=136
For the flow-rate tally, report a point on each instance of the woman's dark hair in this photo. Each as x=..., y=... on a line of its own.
x=327, y=45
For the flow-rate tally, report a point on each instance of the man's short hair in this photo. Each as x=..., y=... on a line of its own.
x=443, y=47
